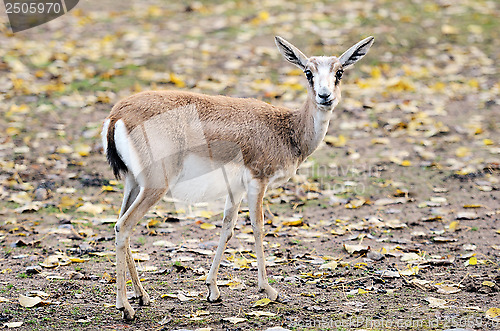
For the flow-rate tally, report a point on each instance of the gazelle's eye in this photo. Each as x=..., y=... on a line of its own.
x=338, y=75
x=309, y=75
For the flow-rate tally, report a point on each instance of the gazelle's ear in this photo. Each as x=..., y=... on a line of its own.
x=291, y=53
x=356, y=52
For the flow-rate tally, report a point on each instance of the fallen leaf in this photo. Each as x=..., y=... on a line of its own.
x=262, y=302
x=141, y=257
x=29, y=302
x=207, y=226
x=293, y=222
x=411, y=257
x=353, y=249
x=466, y=215
x=488, y=283
x=329, y=265
x=493, y=314
x=356, y=203
x=436, y=302
x=90, y=208
x=447, y=289
x=11, y=325
x=234, y=320
x=472, y=261
x=258, y=313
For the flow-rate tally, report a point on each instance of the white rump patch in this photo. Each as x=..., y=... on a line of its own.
x=104, y=135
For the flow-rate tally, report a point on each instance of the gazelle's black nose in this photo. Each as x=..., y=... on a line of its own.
x=324, y=96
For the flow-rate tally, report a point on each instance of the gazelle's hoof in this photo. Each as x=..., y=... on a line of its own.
x=127, y=314
x=272, y=294
x=219, y=299
x=213, y=294
x=144, y=300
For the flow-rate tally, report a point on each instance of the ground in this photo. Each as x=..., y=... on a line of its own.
x=392, y=224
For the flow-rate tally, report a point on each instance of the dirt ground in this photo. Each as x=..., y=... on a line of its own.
x=392, y=224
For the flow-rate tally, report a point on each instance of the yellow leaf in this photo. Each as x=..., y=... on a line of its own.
x=462, y=151
x=206, y=214
x=177, y=81
x=64, y=149
x=262, y=302
x=473, y=260
x=107, y=188
x=400, y=85
x=376, y=72
x=493, y=314
x=473, y=206
x=293, y=222
x=107, y=277
x=66, y=202
x=153, y=222
x=295, y=72
x=76, y=260
x=170, y=296
x=339, y=141
x=406, y=163
x=361, y=291
x=488, y=142
x=241, y=263
x=261, y=17
x=82, y=149
x=438, y=87
x=356, y=203
x=12, y=131
x=488, y=283
x=473, y=83
x=207, y=226
x=453, y=225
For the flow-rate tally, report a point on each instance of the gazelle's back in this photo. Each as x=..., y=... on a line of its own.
x=182, y=140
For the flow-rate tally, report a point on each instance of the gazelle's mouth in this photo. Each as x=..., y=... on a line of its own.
x=326, y=103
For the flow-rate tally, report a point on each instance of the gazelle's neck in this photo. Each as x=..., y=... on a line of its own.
x=313, y=124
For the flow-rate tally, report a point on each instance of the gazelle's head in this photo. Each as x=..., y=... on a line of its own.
x=324, y=72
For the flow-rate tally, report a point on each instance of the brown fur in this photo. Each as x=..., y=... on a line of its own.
x=281, y=133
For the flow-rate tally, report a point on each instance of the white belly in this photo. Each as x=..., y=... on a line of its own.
x=202, y=181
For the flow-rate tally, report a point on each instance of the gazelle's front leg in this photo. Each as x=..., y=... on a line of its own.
x=228, y=223
x=256, y=191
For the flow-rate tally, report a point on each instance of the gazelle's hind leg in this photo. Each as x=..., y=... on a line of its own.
x=228, y=223
x=131, y=191
x=256, y=190
x=145, y=199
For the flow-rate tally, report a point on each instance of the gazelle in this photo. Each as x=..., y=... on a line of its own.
x=200, y=147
